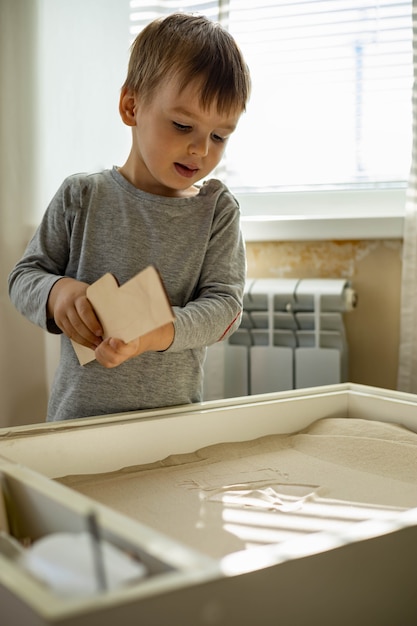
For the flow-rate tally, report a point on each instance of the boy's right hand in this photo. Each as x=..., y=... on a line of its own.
x=73, y=314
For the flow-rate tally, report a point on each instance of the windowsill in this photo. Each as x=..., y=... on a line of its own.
x=319, y=227
x=333, y=215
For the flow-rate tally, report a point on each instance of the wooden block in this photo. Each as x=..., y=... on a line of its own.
x=128, y=311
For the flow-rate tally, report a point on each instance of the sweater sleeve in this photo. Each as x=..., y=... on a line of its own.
x=215, y=313
x=41, y=266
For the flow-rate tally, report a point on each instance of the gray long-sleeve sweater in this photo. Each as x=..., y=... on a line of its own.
x=99, y=223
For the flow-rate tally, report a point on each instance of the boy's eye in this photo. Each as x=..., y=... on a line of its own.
x=218, y=139
x=181, y=127
x=184, y=128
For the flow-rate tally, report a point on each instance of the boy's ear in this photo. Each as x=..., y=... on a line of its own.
x=127, y=106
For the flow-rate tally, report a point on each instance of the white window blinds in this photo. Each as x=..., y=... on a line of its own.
x=331, y=101
x=143, y=12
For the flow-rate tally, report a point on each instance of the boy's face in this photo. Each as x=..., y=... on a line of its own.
x=175, y=141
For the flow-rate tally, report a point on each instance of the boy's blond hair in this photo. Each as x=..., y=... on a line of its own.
x=190, y=48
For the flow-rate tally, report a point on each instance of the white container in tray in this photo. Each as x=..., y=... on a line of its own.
x=363, y=573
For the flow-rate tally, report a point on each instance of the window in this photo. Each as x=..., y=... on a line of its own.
x=331, y=101
x=332, y=93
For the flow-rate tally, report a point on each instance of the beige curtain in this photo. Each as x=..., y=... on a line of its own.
x=407, y=371
x=22, y=389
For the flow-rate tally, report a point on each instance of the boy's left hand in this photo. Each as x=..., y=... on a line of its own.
x=113, y=352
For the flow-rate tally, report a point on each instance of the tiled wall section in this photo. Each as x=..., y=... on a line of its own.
x=374, y=269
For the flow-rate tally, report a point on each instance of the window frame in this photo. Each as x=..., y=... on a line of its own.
x=321, y=214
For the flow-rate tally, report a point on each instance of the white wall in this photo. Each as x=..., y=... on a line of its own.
x=62, y=63
x=83, y=55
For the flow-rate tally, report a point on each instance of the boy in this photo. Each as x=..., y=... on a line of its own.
x=186, y=87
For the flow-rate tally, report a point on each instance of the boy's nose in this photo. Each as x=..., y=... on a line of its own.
x=199, y=146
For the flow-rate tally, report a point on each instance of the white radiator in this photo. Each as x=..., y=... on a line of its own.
x=292, y=336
